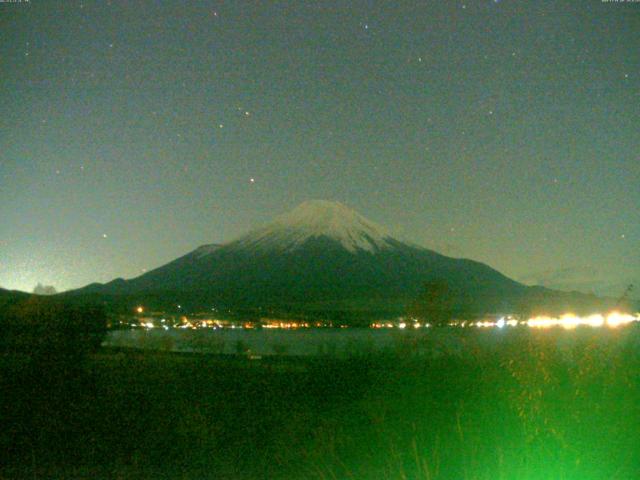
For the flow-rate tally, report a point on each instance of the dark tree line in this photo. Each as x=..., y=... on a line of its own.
x=40, y=326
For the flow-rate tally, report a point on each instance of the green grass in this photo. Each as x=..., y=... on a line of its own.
x=526, y=410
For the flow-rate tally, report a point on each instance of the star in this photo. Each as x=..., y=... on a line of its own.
x=221, y=125
x=104, y=235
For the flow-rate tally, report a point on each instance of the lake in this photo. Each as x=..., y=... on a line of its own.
x=361, y=341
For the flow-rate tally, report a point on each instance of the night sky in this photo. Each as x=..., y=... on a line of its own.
x=131, y=132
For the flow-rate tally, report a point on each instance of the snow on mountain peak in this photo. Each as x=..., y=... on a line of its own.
x=320, y=218
x=205, y=250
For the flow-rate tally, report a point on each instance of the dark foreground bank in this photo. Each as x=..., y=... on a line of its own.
x=523, y=412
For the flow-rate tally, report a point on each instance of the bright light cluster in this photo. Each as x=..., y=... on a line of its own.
x=567, y=321
x=570, y=321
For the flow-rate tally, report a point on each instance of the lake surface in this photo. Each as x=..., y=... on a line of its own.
x=361, y=341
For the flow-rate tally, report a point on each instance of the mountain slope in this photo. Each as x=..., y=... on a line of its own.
x=322, y=256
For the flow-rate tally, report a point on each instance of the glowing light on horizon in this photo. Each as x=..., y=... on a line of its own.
x=568, y=321
x=486, y=324
x=615, y=319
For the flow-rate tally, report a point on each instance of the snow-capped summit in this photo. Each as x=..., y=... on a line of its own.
x=319, y=218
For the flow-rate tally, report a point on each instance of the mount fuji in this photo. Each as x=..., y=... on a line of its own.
x=320, y=258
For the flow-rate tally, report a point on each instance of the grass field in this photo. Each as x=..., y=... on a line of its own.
x=524, y=411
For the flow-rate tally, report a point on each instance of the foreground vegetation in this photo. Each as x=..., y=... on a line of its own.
x=528, y=410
